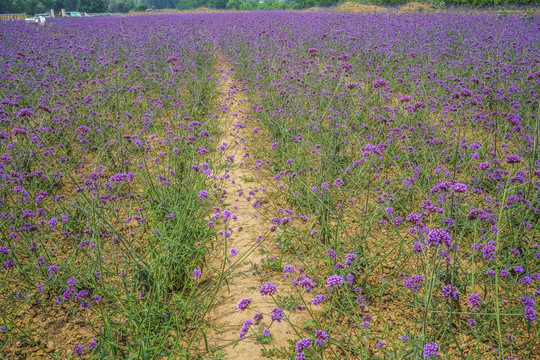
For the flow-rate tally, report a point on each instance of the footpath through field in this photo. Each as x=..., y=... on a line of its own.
x=245, y=196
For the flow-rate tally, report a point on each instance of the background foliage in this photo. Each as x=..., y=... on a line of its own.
x=31, y=7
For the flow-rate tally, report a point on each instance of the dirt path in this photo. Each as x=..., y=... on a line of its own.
x=246, y=277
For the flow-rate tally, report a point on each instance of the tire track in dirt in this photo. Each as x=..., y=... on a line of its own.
x=246, y=276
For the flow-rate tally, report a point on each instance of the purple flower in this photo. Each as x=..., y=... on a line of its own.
x=277, y=314
x=53, y=222
x=489, y=250
x=484, y=166
x=418, y=247
x=380, y=344
x=203, y=194
x=244, y=303
x=81, y=295
x=53, y=269
x=528, y=301
x=266, y=332
x=349, y=259
x=226, y=215
x=321, y=337
x=92, y=344
x=405, y=338
x=268, y=289
x=25, y=112
x=10, y=264
x=331, y=253
x=288, y=268
x=513, y=159
x=414, y=282
x=318, y=299
x=196, y=273
x=245, y=328
x=450, y=292
x=431, y=350
x=338, y=182
x=334, y=281
x=304, y=282
x=474, y=300
x=530, y=313
x=459, y=188
x=302, y=344
x=438, y=236
x=78, y=350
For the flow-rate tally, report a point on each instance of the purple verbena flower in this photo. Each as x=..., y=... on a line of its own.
x=450, y=292
x=431, y=350
x=414, y=282
x=302, y=344
x=243, y=304
x=318, y=299
x=268, y=289
x=277, y=314
x=334, y=281
x=474, y=300
x=321, y=337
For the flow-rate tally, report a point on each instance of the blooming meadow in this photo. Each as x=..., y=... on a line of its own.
x=400, y=151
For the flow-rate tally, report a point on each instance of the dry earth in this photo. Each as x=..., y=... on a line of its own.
x=246, y=274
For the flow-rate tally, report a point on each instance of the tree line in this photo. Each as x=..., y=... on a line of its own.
x=31, y=7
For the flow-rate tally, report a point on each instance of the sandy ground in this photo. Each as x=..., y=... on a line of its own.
x=246, y=277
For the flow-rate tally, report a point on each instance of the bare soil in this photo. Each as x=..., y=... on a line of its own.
x=247, y=275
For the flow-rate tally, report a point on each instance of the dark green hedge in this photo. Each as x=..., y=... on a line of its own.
x=476, y=3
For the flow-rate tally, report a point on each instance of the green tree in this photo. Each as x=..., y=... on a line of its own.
x=327, y=2
x=91, y=6
x=233, y=4
x=162, y=4
x=302, y=4
x=122, y=6
x=40, y=8
x=217, y=4
x=141, y=7
x=69, y=5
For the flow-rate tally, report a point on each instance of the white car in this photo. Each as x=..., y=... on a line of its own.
x=38, y=19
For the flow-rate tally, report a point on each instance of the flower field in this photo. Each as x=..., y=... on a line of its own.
x=276, y=185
